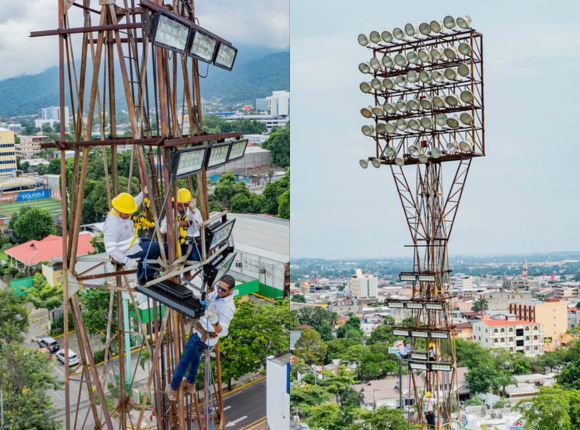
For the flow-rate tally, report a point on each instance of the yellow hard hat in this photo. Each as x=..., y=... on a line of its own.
x=431, y=345
x=183, y=196
x=125, y=203
x=428, y=394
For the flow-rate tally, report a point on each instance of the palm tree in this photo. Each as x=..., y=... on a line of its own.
x=480, y=305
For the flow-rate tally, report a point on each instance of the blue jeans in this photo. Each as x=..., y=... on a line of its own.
x=193, y=255
x=150, y=250
x=191, y=360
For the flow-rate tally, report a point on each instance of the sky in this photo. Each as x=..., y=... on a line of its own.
x=261, y=22
x=523, y=197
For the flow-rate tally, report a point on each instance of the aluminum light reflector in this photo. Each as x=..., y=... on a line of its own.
x=203, y=47
x=436, y=27
x=400, y=161
x=463, y=22
x=450, y=54
x=407, y=277
x=424, y=29
x=366, y=112
x=426, y=278
x=464, y=49
x=375, y=37
x=421, y=334
x=400, y=60
x=387, y=37
x=466, y=96
x=410, y=30
x=434, y=306
x=423, y=56
x=390, y=151
x=394, y=305
x=466, y=118
x=414, y=105
x=463, y=70
x=423, y=158
x=376, y=163
x=418, y=356
x=440, y=367
x=363, y=40
x=365, y=87
x=189, y=162
x=367, y=130
x=365, y=68
x=465, y=146
x=418, y=366
x=449, y=22
x=238, y=150
x=363, y=163
x=398, y=33
x=401, y=332
x=218, y=155
x=411, y=305
x=452, y=122
x=388, y=84
x=377, y=84
x=436, y=153
x=226, y=56
x=169, y=33
x=439, y=335
x=375, y=63
x=388, y=61
x=413, y=124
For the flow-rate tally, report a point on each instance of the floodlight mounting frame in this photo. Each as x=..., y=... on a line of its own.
x=211, y=148
x=201, y=30
x=230, y=159
x=222, y=66
x=155, y=26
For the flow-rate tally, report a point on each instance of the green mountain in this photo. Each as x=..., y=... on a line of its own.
x=258, y=71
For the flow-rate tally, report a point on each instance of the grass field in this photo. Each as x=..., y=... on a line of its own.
x=53, y=206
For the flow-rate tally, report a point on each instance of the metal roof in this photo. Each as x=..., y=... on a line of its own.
x=262, y=235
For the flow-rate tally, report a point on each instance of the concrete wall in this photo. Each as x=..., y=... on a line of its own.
x=278, y=392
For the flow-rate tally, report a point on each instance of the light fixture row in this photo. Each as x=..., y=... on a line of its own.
x=188, y=161
x=414, y=79
x=421, y=333
x=423, y=104
x=412, y=33
x=412, y=126
x=409, y=304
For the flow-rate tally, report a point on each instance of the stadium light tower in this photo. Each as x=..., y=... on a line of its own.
x=427, y=124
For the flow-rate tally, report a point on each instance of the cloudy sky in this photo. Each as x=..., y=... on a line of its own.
x=523, y=197
x=262, y=22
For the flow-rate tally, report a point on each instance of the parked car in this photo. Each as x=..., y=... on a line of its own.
x=49, y=343
x=73, y=358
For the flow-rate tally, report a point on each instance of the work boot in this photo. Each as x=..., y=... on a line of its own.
x=189, y=387
x=171, y=393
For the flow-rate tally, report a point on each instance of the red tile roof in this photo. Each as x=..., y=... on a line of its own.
x=37, y=251
x=505, y=323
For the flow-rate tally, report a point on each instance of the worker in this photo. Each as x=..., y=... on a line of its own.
x=429, y=409
x=432, y=353
x=122, y=242
x=208, y=330
x=190, y=221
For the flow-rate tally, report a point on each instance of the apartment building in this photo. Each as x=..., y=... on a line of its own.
x=552, y=315
x=520, y=336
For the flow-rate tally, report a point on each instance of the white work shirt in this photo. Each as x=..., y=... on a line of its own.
x=429, y=405
x=119, y=234
x=224, y=309
x=195, y=222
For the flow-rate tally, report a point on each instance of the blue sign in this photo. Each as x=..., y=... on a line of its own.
x=28, y=196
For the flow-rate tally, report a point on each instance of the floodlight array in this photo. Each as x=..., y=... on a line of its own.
x=426, y=85
x=422, y=333
x=435, y=367
x=414, y=305
x=188, y=161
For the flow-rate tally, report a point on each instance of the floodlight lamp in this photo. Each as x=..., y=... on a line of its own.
x=188, y=161
x=438, y=102
x=436, y=153
x=413, y=125
x=398, y=33
x=452, y=122
x=401, y=81
x=414, y=105
x=368, y=130
x=404, y=333
x=413, y=58
x=424, y=29
x=418, y=356
x=365, y=87
x=466, y=118
x=390, y=151
x=426, y=278
x=424, y=76
x=450, y=53
x=389, y=108
x=464, y=49
x=463, y=22
x=400, y=161
x=439, y=335
x=387, y=37
x=440, y=119
x=238, y=150
x=414, y=150
x=463, y=70
x=423, y=159
x=401, y=124
x=435, y=26
x=452, y=100
x=376, y=84
x=218, y=155
x=226, y=56
x=452, y=147
x=169, y=33
x=422, y=334
x=366, y=112
x=412, y=76
x=214, y=271
x=400, y=60
x=388, y=61
x=388, y=84
x=410, y=30
x=426, y=123
x=381, y=128
x=418, y=366
x=436, y=55
x=363, y=163
x=437, y=77
x=375, y=37
x=398, y=305
x=391, y=128
x=377, y=111
x=466, y=96
x=203, y=46
x=465, y=146
x=363, y=40
x=434, y=306
x=414, y=306
x=449, y=22
x=376, y=163
x=426, y=104
x=375, y=63
x=218, y=233
x=402, y=106
x=423, y=56
x=406, y=276
x=365, y=68
x=450, y=74
x=440, y=367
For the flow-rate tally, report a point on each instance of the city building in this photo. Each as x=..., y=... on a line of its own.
x=29, y=146
x=262, y=105
x=7, y=154
x=551, y=314
x=279, y=103
x=573, y=317
x=255, y=159
x=278, y=392
x=363, y=286
x=271, y=121
x=51, y=115
x=500, y=300
x=512, y=335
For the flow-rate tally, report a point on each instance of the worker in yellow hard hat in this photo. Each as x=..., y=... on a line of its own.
x=432, y=352
x=429, y=409
x=121, y=237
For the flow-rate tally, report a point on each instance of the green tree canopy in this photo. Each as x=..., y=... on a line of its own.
x=44, y=296
x=284, y=205
x=13, y=317
x=279, y=144
x=32, y=224
x=320, y=319
x=310, y=347
x=480, y=305
x=273, y=192
x=553, y=409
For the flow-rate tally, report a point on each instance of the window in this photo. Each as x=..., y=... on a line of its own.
x=511, y=339
x=511, y=329
x=511, y=350
x=495, y=330
x=495, y=340
x=527, y=328
x=502, y=330
x=520, y=332
x=503, y=339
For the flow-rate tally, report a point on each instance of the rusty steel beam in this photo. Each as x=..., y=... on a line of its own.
x=90, y=29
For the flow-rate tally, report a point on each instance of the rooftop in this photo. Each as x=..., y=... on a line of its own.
x=262, y=235
x=504, y=323
x=35, y=252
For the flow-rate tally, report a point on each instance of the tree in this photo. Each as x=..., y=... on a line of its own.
x=480, y=305
x=310, y=347
x=25, y=377
x=308, y=395
x=284, y=205
x=13, y=317
x=279, y=144
x=298, y=298
x=382, y=418
x=320, y=319
x=227, y=188
x=96, y=312
x=550, y=410
x=44, y=296
x=482, y=379
x=471, y=354
x=273, y=192
x=325, y=416
x=33, y=224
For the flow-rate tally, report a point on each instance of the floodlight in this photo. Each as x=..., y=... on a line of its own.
x=422, y=334
x=450, y=53
x=414, y=150
x=365, y=68
x=399, y=161
x=388, y=61
x=402, y=106
x=434, y=306
x=413, y=125
x=413, y=58
x=217, y=233
x=436, y=153
x=414, y=306
x=396, y=305
x=400, y=60
x=401, y=332
x=465, y=146
x=464, y=49
x=440, y=367
x=407, y=276
x=439, y=335
x=365, y=87
x=440, y=119
x=363, y=163
x=388, y=84
x=423, y=158
x=450, y=74
x=437, y=77
x=452, y=147
x=424, y=29
x=226, y=56
x=389, y=108
x=452, y=100
x=426, y=104
x=463, y=70
x=410, y=30
x=169, y=33
x=401, y=124
x=426, y=122
x=414, y=105
x=203, y=46
x=218, y=268
x=398, y=33
x=366, y=112
x=424, y=76
x=418, y=366
x=387, y=37
x=363, y=40
x=466, y=118
x=449, y=22
x=188, y=161
x=426, y=278
x=376, y=84
x=466, y=96
x=401, y=81
x=375, y=63
x=368, y=130
x=463, y=23
x=376, y=163
x=438, y=102
x=412, y=76
x=381, y=128
x=436, y=55
x=238, y=150
x=390, y=151
x=375, y=37
x=418, y=356
x=435, y=26
x=391, y=128
x=423, y=56
x=452, y=122
x=218, y=155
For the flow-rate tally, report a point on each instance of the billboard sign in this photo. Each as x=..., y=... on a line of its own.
x=28, y=196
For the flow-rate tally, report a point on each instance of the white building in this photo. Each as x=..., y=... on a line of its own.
x=51, y=115
x=278, y=392
x=514, y=335
x=279, y=103
x=363, y=286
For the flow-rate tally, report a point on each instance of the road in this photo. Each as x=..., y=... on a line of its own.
x=246, y=406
